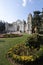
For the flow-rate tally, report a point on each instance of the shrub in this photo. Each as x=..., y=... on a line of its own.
x=32, y=41
x=40, y=38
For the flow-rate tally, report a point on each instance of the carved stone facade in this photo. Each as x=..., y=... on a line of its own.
x=20, y=26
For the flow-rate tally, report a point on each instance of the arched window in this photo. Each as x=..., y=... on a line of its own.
x=18, y=28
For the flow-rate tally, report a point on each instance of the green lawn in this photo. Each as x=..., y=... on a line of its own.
x=6, y=44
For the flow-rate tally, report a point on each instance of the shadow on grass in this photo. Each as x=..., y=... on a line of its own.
x=2, y=40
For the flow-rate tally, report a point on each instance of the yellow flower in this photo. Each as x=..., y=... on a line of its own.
x=10, y=49
x=9, y=52
x=26, y=58
x=14, y=56
x=18, y=57
x=30, y=57
x=22, y=58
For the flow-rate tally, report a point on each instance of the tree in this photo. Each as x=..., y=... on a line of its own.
x=36, y=21
x=2, y=27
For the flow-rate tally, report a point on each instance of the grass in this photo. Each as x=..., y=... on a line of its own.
x=6, y=44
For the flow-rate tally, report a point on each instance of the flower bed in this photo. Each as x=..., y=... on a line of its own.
x=29, y=52
x=10, y=35
x=23, y=56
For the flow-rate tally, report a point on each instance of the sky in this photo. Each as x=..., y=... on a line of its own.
x=12, y=10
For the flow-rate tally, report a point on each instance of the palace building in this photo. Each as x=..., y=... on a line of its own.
x=20, y=26
x=34, y=24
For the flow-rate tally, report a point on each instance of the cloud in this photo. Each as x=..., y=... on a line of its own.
x=25, y=2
